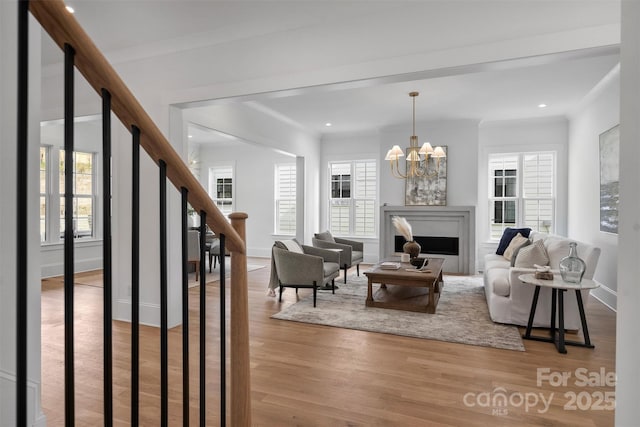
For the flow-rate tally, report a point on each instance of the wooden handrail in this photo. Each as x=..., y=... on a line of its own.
x=64, y=28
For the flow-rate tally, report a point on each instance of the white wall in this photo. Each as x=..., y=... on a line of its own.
x=508, y=136
x=628, y=319
x=8, y=143
x=600, y=112
x=254, y=188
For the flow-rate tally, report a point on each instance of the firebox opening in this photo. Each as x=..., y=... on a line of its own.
x=432, y=245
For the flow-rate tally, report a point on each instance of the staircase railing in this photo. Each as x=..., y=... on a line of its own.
x=82, y=54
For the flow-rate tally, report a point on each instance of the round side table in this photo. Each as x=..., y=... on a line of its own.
x=558, y=288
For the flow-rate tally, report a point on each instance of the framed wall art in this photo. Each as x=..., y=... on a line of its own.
x=431, y=188
x=609, y=179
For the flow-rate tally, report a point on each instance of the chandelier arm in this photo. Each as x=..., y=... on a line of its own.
x=396, y=171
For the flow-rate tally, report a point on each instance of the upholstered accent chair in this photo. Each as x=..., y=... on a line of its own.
x=351, y=251
x=193, y=250
x=213, y=249
x=300, y=266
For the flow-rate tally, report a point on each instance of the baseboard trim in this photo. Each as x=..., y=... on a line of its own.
x=149, y=313
x=606, y=296
x=57, y=269
x=8, y=380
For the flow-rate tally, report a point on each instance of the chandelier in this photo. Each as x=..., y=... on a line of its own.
x=417, y=157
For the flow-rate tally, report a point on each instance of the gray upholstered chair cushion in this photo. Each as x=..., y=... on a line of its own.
x=325, y=236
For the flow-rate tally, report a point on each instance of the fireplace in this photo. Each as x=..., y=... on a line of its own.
x=432, y=245
x=442, y=231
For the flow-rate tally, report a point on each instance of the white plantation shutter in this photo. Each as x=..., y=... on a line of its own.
x=353, y=198
x=538, y=190
x=365, y=198
x=286, y=199
x=522, y=191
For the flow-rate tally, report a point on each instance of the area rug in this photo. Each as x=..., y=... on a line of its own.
x=461, y=316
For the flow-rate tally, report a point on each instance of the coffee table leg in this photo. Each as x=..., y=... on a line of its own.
x=369, y=293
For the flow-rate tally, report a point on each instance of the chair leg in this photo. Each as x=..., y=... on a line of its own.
x=197, y=264
x=345, y=273
x=333, y=286
x=297, y=291
x=210, y=260
x=358, y=269
x=315, y=293
x=280, y=297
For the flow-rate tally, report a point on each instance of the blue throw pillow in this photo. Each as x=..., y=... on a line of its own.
x=508, y=235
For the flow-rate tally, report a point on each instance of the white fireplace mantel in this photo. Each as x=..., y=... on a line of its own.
x=435, y=221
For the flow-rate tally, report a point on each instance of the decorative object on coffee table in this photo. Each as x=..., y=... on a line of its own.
x=403, y=227
x=543, y=272
x=572, y=267
x=412, y=248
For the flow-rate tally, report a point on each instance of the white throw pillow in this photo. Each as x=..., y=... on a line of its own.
x=532, y=254
x=517, y=241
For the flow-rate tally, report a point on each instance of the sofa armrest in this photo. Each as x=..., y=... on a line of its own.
x=326, y=254
x=345, y=253
x=357, y=246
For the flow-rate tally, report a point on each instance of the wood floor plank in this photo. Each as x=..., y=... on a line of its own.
x=312, y=375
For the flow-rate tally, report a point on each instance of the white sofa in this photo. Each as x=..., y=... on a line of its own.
x=509, y=299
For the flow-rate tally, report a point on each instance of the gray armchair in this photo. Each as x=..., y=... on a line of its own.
x=300, y=266
x=351, y=251
x=193, y=250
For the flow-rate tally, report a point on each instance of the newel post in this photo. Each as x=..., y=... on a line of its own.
x=240, y=374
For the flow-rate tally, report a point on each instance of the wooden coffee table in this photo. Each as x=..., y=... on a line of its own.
x=406, y=290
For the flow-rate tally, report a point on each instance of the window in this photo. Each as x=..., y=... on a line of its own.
x=221, y=188
x=352, y=198
x=83, y=194
x=522, y=192
x=52, y=223
x=285, y=194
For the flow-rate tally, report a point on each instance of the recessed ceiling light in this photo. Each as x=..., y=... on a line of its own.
x=327, y=124
x=69, y=9
x=190, y=136
x=542, y=105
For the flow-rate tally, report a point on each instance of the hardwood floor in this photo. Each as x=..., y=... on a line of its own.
x=310, y=375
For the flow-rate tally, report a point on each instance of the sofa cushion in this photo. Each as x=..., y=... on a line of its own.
x=517, y=241
x=532, y=254
x=557, y=249
x=495, y=261
x=330, y=268
x=499, y=279
x=508, y=234
x=517, y=251
x=325, y=235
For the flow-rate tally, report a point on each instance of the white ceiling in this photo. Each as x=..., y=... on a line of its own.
x=481, y=94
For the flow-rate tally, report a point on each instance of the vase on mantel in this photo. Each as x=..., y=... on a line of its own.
x=572, y=267
x=412, y=248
